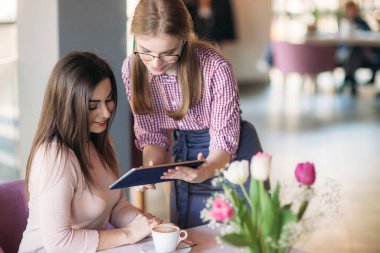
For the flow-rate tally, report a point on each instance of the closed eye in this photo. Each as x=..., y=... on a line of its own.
x=92, y=106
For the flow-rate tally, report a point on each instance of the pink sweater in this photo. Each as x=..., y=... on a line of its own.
x=64, y=215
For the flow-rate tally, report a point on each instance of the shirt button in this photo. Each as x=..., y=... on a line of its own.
x=174, y=103
x=180, y=124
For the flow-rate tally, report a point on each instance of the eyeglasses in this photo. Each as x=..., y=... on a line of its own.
x=167, y=58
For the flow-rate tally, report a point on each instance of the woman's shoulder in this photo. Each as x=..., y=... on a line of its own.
x=53, y=152
x=53, y=161
x=126, y=66
x=54, y=147
x=209, y=54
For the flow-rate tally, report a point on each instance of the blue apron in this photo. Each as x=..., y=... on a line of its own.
x=187, y=199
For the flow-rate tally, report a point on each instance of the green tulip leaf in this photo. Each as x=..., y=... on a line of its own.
x=276, y=197
x=287, y=216
x=247, y=222
x=302, y=209
x=254, y=191
x=287, y=206
x=236, y=240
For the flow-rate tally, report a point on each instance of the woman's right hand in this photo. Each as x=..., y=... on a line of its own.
x=140, y=227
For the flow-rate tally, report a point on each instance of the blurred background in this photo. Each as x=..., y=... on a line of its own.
x=298, y=119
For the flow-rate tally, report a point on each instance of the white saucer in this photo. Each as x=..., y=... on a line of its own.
x=148, y=247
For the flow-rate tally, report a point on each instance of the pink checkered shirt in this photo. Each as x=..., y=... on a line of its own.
x=218, y=109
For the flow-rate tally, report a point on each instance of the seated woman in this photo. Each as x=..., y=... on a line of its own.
x=72, y=162
x=351, y=58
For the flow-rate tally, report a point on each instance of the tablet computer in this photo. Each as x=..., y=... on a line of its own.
x=150, y=174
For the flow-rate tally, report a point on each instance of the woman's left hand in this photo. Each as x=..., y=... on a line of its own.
x=188, y=174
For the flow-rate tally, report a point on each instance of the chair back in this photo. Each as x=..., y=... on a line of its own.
x=303, y=58
x=13, y=215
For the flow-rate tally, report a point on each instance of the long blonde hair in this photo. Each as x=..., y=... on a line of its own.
x=64, y=116
x=172, y=18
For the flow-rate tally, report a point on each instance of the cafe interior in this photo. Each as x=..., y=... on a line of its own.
x=293, y=88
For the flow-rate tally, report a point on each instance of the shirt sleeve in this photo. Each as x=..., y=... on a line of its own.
x=58, y=181
x=146, y=128
x=123, y=212
x=225, y=112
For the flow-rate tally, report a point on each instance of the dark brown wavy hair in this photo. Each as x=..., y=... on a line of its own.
x=64, y=115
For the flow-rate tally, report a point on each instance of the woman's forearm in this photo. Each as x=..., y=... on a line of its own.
x=113, y=238
x=216, y=160
x=135, y=231
x=155, y=154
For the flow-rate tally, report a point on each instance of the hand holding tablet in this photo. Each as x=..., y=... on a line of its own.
x=151, y=174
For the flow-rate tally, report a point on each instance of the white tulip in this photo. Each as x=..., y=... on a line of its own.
x=260, y=166
x=237, y=172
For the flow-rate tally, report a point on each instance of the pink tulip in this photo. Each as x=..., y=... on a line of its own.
x=221, y=210
x=305, y=173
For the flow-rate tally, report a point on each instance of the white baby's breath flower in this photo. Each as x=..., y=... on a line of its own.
x=205, y=215
x=217, y=181
x=291, y=232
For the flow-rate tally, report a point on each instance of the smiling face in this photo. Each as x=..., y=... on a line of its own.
x=101, y=106
x=158, y=45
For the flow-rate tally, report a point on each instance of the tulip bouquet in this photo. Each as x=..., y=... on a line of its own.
x=257, y=222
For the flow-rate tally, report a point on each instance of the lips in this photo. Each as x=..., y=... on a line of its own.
x=158, y=69
x=101, y=123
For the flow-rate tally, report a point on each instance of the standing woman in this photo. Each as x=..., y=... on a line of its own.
x=178, y=84
x=72, y=162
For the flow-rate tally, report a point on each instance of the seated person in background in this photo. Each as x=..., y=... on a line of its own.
x=352, y=58
x=72, y=162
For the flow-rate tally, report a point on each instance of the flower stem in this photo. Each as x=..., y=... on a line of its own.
x=246, y=195
x=302, y=209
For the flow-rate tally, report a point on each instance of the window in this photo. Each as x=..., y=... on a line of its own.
x=9, y=129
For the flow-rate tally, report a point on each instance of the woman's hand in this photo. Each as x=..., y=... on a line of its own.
x=142, y=188
x=216, y=160
x=140, y=227
x=188, y=174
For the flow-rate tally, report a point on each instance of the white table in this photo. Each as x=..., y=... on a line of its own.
x=203, y=236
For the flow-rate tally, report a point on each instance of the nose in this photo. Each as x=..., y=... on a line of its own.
x=105, y=110
x=157, y=61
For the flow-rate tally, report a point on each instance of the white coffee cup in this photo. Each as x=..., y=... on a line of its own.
x=166, y=237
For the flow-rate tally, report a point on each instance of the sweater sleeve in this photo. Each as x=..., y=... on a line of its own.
x=58, y=180
x=123, y=212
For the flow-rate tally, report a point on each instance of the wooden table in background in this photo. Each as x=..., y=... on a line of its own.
x=360, y=38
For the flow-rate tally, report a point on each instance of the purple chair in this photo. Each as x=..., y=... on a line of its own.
x=306, y=59
x=13, y=215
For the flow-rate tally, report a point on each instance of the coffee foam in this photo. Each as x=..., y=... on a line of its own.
x=165, y=229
